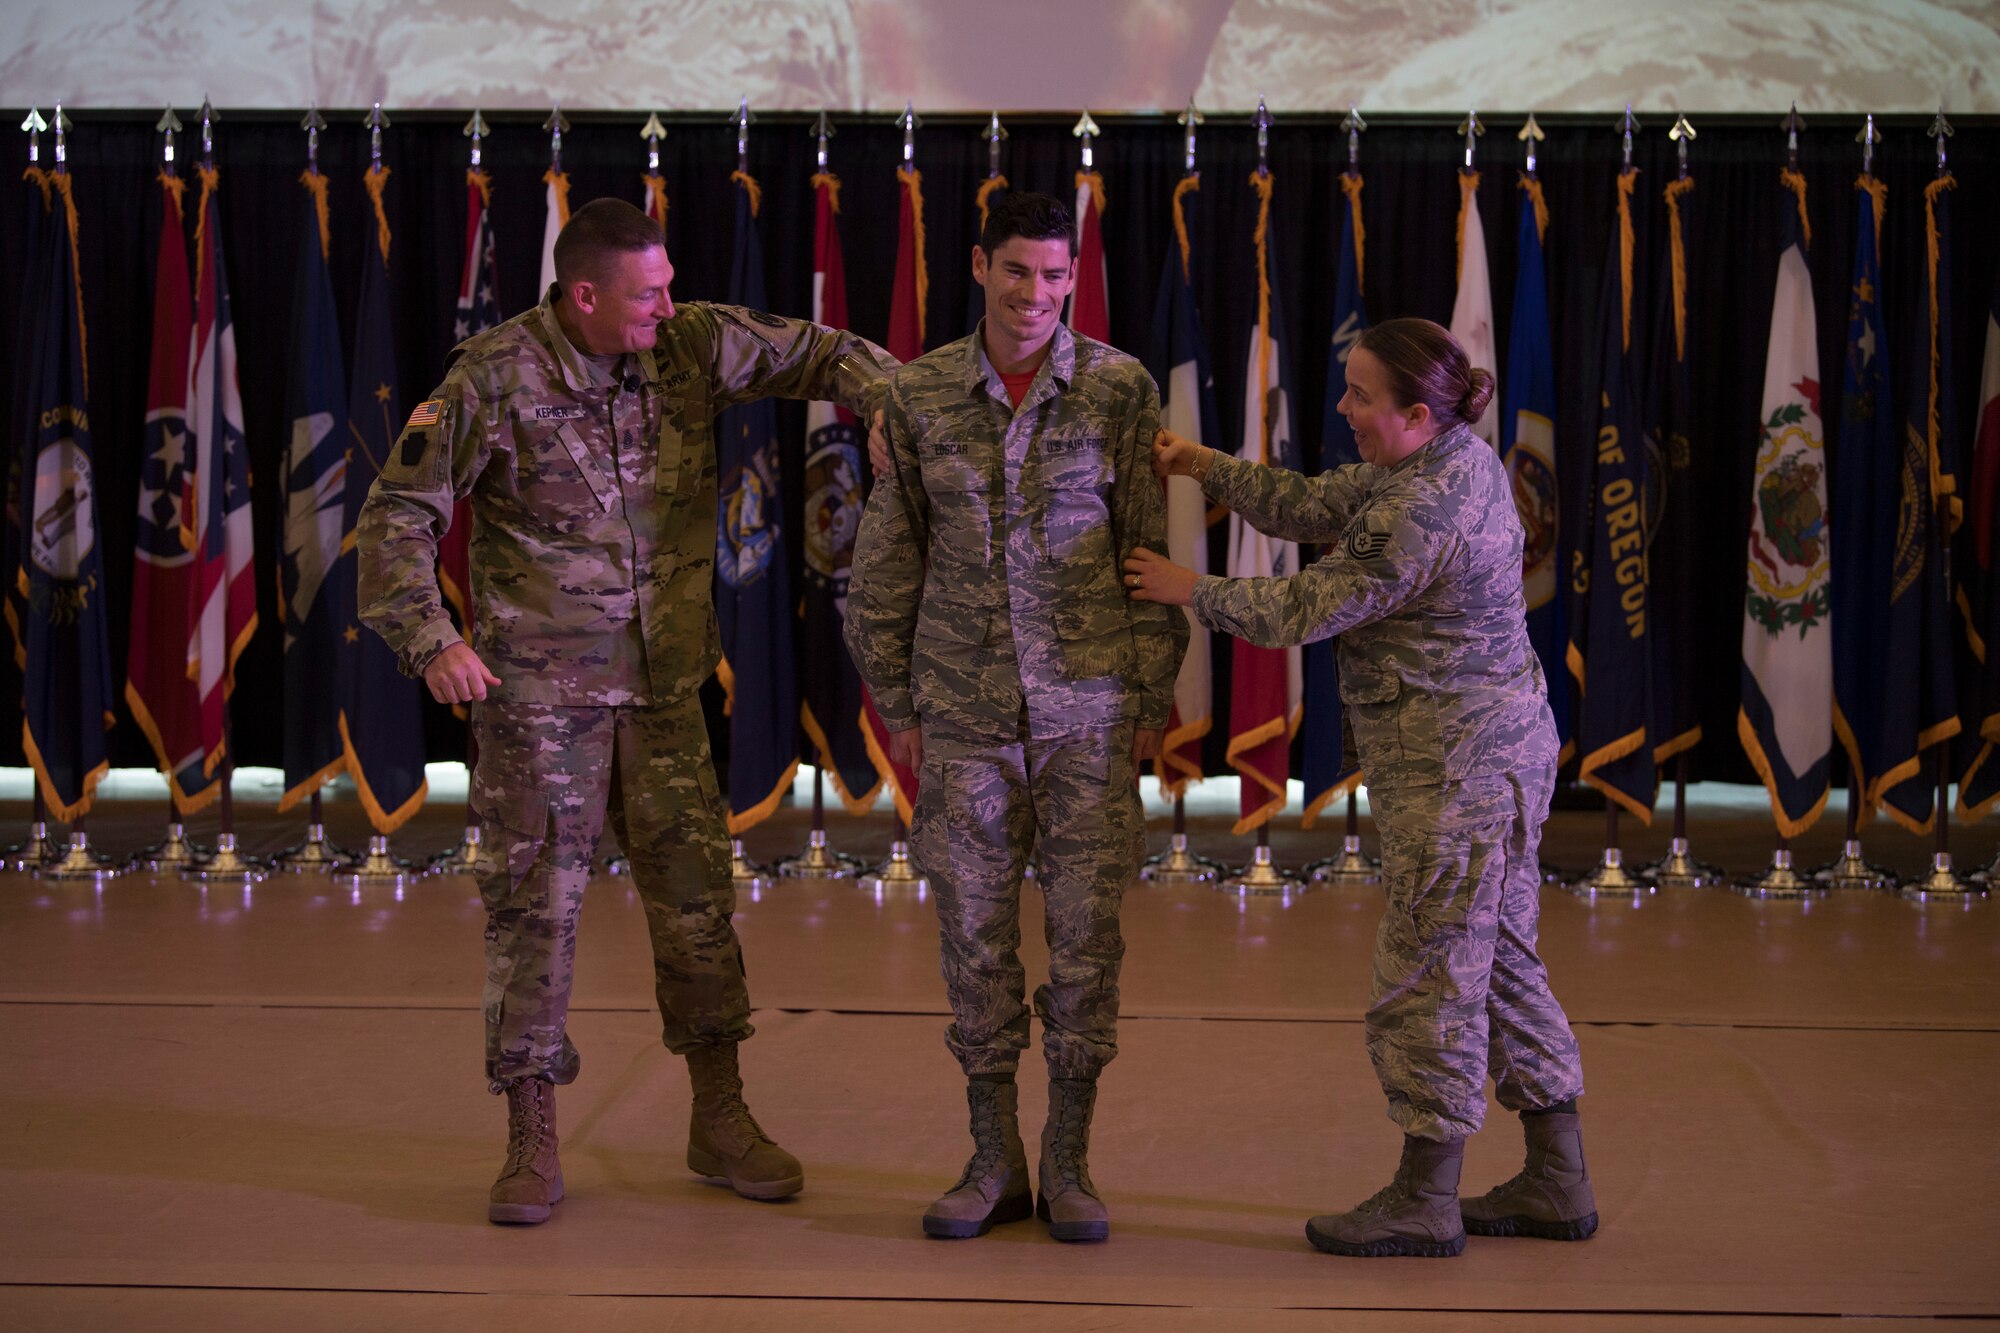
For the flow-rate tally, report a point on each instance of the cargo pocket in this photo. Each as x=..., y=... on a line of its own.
x=1372, y=696
x=513, y=825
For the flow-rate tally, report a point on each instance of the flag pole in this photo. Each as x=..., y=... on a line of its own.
x=1780, y=879
x=1609, y=878
x=1680, y=868
x=463, y=859
x=1852, y=870
x=379, y=867
x=898, y=873
x=819, y=861
x=79, y=863
x=227, y=865
x=173, y=851
x=1942, y=883
x=1177, y=864
x=1262, y=876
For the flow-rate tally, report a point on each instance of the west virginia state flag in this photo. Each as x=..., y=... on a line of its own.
x=1979, y=596
x=381, y=711
x=753, y=596
x=1528, y=447
x=216, y=517
x=1786, y=719
x=1610, y=654
x=1187, y=408
x=1921, y=711
x=67, y=686
x=1327, y=777
x=831, y=708
x=1866, y=454
x=315, y=591
x=1267, y=684
x=164, y=700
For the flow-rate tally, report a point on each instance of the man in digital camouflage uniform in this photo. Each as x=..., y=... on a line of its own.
x=986, y=617
x=581, y=430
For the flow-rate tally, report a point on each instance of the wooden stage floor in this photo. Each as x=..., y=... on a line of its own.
x=234, y=1110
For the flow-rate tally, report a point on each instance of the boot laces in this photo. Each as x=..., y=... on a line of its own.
x=1068, y=1148
x=527, y=1124
x=989, y=1151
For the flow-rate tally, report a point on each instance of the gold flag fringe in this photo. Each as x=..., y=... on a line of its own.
x=1350, y=185
x=315, y=185
x=983, y=198
x=749, y=183
x=832, y=184
x=1677, y=247
x=1188, y=184
x=914, y=180
x=376, y=179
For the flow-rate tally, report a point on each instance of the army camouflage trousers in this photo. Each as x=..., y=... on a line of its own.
x=980, y=810
x=546, y=775
x=1459, y=991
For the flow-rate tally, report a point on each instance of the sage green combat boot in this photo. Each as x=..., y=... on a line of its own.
x=1416, y=1214
x=1551, y=1197
x=994, y=1187
x=531, y=1183
x=725, y=1143
x=1069, y=1202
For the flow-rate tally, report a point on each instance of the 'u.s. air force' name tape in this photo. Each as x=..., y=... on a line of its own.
x=1365, y=545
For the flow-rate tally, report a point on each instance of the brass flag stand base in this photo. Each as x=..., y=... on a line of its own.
x=378, y=869
x=227, y=866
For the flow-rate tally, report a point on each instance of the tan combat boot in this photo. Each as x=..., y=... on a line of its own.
x=725, y=1142
x=994, y=1187
x=1069, y=1202
x=1416, y=1214
x=531, y=1182
x=1551, y=1197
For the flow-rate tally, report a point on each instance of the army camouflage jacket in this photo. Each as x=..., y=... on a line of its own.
x=1421, y=579
x=988, y=565
x=593, y=496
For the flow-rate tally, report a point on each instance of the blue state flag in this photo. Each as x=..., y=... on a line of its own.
x=67, y=686
x=1671, y=554
x=24, y=412
x=317, y=607
x=381, y=711
x=1327, y=774
x=1528, y=448
x=753, y=597
x=1866, y=468
x=1609, y=651
x=1922, y=710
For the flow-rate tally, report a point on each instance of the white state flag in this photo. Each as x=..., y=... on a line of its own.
x=1472, y=312
x=1786, y=722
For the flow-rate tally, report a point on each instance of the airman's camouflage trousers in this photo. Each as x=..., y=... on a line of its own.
x=545, y=778
x=1459, y=991
x=980, y=810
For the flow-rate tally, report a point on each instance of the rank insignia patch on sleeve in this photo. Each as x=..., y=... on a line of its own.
x=1364, y=545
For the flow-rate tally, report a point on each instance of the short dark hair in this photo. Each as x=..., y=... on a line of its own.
x=1427, y=365
x=598, y=230
x=1038, y=217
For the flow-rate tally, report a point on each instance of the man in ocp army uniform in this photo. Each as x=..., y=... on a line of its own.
x=581, y=430
x=986, y=617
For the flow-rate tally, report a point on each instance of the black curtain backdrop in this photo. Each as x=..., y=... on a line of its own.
x=1410, y=205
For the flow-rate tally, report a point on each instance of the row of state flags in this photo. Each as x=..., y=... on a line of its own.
x=1833, y=630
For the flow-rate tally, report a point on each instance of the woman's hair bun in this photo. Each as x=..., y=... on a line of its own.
x=1478, y=393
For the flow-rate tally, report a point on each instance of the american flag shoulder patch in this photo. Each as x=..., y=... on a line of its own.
x=425, y=414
